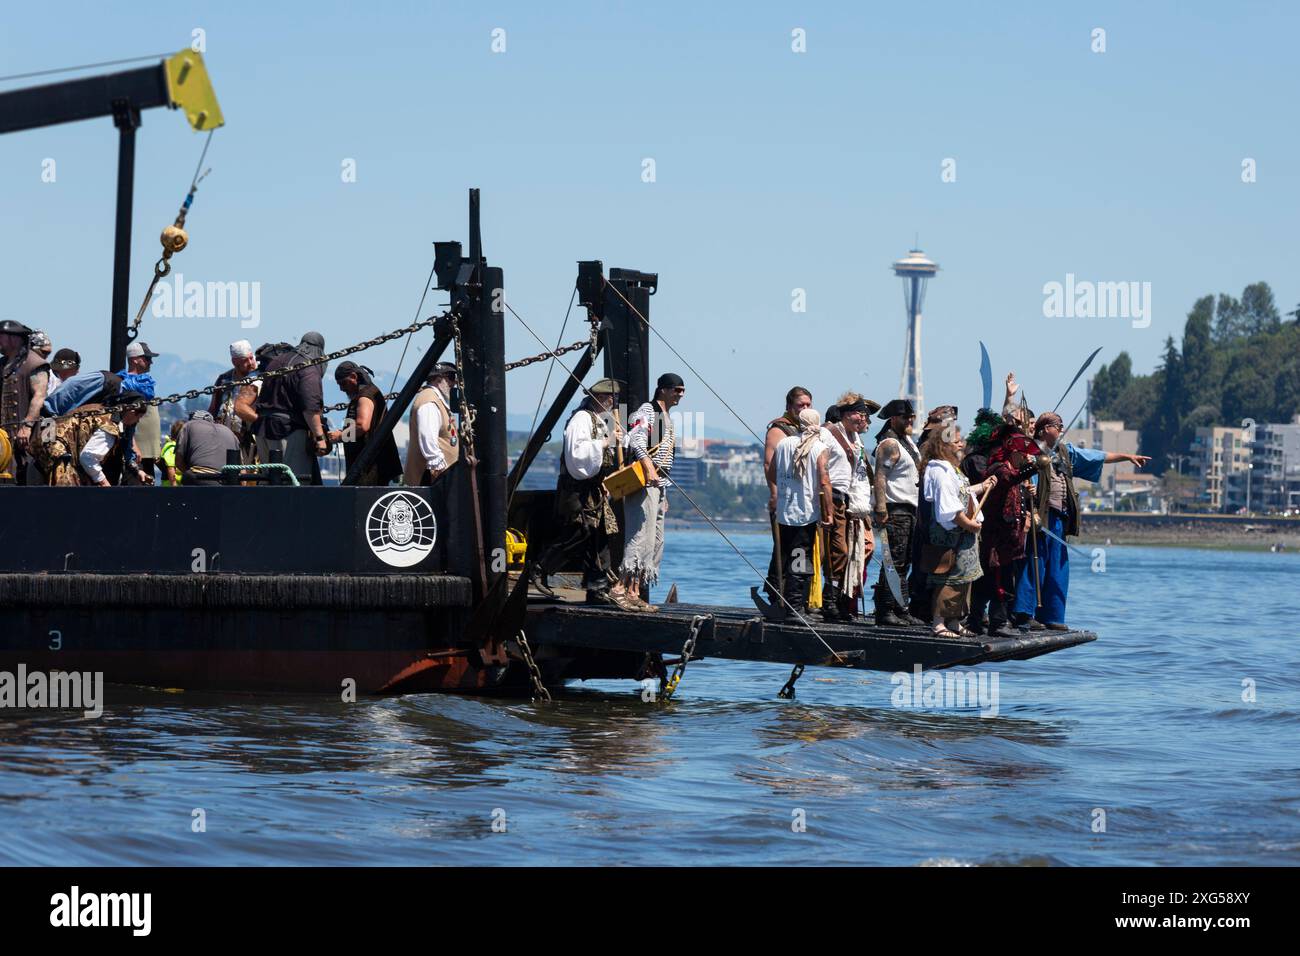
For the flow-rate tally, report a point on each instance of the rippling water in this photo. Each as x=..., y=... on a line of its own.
x=1147, y=724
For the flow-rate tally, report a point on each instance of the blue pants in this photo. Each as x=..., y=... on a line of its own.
x=1054, y=569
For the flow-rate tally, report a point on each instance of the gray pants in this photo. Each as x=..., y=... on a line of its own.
x=643, y=548
x=295, y=450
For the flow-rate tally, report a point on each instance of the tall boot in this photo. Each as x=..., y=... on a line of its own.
x=830, y=602
x=848, y=607
x=796, y=592
x=885, y=614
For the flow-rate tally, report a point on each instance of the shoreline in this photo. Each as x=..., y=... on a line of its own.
x=1218, y=532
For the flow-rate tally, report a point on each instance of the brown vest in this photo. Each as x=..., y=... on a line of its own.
x=16, y=391
x=448, y=441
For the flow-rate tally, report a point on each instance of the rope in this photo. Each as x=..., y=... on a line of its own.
x=761, y=575
x=418, y=309
x=87, y=66
x=638, y=314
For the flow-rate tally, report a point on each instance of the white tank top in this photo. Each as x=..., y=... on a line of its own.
x=902, y=479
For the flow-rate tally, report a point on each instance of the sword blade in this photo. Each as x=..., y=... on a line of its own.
x=1083, y=368
x=986, y=376
x=887, y=563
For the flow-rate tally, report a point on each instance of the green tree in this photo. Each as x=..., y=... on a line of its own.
x=1228, y=319
x=1259, y=313
x=1199, y=384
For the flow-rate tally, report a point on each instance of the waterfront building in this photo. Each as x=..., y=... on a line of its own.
x=1216, y=454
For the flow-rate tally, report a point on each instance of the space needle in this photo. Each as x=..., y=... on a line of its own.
x=915, y=269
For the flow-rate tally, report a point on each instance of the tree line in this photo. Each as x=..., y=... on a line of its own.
x=1240, y=358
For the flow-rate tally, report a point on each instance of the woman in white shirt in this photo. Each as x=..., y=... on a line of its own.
x=953, y=535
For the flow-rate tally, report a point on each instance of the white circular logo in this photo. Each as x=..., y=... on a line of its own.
x=401, y=529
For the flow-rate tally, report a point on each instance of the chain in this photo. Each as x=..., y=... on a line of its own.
x=467, y=413
x=687, y=650
x=787, y=692
x=534, y=672
x=343, y=405
x=543, y=356
x=193, y=393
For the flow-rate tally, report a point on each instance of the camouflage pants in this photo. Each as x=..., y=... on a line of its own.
x=59, y=446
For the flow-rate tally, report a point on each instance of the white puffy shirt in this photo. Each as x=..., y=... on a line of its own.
x=944, y=486
x=584, y=454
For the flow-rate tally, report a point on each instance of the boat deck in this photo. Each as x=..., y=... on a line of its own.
x=743, y=634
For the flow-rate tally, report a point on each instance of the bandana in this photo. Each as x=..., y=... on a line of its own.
x=810, y=423
x=1046, y=420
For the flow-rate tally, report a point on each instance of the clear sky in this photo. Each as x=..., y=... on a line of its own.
x=774, y=171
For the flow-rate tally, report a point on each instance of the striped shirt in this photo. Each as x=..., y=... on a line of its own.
x=643, y=428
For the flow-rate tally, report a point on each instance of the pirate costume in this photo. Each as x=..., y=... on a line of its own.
x=851, y=478
x=902, y=480
x=1057, y=505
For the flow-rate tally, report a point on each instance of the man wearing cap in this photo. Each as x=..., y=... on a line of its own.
x=1058, y=508
x=432, y=445
x=145, y=432
x=584, y=518
x=201, y=449
x=65, y=364
x=289, y=410
x=24, y=378
x=897, y=489
x=651, y=441
x=851, y=478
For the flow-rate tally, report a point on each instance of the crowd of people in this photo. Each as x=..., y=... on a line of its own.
x=69, y=427
x=971, y=531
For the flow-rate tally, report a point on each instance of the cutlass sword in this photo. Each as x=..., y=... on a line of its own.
x=887, y=564
x=986, y=376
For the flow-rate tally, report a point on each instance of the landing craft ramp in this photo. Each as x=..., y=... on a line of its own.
x=742, y=634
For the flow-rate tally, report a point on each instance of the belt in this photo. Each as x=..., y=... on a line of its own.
x=891, y=505
x=839, y=497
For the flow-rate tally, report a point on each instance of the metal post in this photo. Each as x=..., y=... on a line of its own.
x=126, y=118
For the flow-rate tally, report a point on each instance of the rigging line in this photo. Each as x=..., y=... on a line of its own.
x=87, y=66
x=554, y=358
x=638, y=314
x=543, y=345
x=418, y=309
x=760, y=574
x=546, y=384
x=194, y=183
x=691, y=500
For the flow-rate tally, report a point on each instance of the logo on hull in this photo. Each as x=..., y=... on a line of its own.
x=401, y=529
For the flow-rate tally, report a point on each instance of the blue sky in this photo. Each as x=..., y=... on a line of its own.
x=775, y=171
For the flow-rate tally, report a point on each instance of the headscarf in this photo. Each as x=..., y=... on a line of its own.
x=364, y=375
x=1046, y=420
x=810, y=426
x=311, y=347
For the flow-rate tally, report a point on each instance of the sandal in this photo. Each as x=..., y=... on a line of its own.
x=941, y=630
